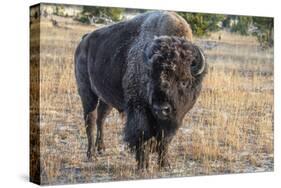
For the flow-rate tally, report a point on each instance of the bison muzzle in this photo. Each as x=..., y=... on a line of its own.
x=149, y=69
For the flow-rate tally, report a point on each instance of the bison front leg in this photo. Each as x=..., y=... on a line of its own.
x=137, y=133
x=163, y=160
x=142, y=155
x=162, y=150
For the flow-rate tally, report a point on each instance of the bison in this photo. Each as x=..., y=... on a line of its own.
x=149, y=69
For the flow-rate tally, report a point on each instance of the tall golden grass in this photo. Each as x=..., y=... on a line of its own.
x=229, y=130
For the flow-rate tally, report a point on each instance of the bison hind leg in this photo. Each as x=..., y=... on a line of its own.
x=102, y=111
x=89, y=103
x=89, y=123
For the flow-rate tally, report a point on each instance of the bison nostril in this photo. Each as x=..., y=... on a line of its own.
x=166, y=110
x=163, y=110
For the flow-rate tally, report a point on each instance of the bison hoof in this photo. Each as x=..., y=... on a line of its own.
x=143, y=166
x=142, y=171
x=165, y=164
x=90, y=156
x=100, y=148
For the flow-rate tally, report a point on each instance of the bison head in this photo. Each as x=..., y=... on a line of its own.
x=176, y=68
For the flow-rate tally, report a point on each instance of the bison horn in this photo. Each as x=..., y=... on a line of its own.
x=199, y=67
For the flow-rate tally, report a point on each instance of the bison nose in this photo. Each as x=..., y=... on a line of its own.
x=162, y=110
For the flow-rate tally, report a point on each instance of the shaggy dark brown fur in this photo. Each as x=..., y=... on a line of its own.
x=147, y=67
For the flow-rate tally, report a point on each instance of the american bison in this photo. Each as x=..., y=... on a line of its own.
x=149, y=69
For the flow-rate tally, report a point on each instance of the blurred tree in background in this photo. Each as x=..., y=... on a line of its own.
x=114, y=13
x=202, y=24
x=102, y=14
x=59, y=10
x=261, y=27
x=241, y=24
x=265, y=30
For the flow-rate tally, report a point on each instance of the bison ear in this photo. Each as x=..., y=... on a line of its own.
x=147, y=56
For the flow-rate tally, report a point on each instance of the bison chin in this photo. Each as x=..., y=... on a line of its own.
x=167, y=126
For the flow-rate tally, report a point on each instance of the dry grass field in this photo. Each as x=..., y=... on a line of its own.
x=229, y=130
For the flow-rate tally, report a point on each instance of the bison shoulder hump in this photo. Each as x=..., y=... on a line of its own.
x=170, y=23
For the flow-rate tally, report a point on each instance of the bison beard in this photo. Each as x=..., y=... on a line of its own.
x=146, y=67
x=144, y=138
